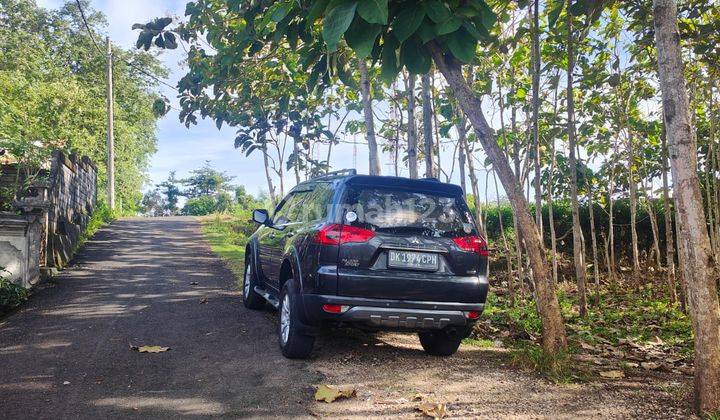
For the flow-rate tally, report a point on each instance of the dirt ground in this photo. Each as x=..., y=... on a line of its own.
x=393, y=377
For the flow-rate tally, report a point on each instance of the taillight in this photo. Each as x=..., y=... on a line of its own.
x=336, y=234
x=472, y=243
x=335, y=309
x=472, y=315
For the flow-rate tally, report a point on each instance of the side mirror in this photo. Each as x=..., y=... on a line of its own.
x=261, y=216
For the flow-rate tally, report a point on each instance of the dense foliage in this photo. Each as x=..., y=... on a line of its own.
x=52, y=80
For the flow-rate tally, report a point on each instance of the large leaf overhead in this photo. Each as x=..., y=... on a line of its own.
x=337, y=21
x=407, y=22
x=361, y=36
x=373, y=11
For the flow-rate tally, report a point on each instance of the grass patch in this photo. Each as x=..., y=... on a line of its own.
x=228, y=234
x=479, y=342
x=560, y=368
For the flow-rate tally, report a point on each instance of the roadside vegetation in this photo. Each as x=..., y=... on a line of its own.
x=52, y=84
x=11, y=294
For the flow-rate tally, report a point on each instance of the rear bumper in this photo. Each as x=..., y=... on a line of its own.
x=389, y=313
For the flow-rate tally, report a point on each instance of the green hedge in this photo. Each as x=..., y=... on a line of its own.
x=562, y=213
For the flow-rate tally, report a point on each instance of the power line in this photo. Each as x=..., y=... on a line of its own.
x=92, y=37
x=136, y=67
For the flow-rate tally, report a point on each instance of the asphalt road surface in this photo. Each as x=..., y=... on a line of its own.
x=66, y=353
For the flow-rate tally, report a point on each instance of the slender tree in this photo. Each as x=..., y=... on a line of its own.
x=579, y=257
x=699, y=267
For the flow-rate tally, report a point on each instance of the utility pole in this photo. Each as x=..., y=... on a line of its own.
x=110, y=129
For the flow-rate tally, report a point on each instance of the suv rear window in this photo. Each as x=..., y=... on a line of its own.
x=406, y=212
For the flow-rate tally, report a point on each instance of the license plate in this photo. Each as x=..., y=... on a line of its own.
x=413, y=260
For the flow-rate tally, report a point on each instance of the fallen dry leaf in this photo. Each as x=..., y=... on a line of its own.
x=149, y=349
x=436, y=411
x=329, y=394
x=586, y=346
x=612, y=374
x=649, y=365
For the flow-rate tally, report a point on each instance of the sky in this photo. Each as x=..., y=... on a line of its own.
x=182, y=149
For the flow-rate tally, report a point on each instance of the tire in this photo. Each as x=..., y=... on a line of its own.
x=251, y=299
x=440, y=343
x=293, y=343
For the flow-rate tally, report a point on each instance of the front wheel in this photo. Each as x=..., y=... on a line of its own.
x=251, y=299
x=440, y=343
x=293, y=343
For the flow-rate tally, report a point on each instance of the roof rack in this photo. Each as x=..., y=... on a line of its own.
x=335, y=174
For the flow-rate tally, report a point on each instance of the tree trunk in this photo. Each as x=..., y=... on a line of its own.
x=551, y=214
x=536, y=114
x=554, y=338
x=412, y=128
x=667, y=216
x=578, y=257
x=271, y=188
x=427, y=126
x=518, y=241
x=374, y=163
x=462, y=139
x=474, y=187
x=593, y=240
x=699, y=267
x=506, y=248
x=633, y=206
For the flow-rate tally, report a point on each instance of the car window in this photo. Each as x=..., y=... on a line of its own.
x=401, y=212
x=280, y=216
x=317, y=204
x=295, y=207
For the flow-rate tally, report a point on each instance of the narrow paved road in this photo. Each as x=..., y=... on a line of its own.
x=65, y=354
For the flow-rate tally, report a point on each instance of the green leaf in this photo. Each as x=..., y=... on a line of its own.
x=373, y=11
x=426, y=31
x=462, y=45
x=436, y=11
x=487, y=16
x=390, y=68
x=361, y=37
x=316, y=10
x=581, y=7
x=415, y=56
x=337, y=22
x=554, y=12
x=450, y=25
x=407, y=22
x=278, y=11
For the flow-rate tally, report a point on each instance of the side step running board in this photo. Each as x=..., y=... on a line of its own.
x=270, y=298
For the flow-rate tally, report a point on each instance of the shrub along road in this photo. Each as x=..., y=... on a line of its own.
x=66, y=353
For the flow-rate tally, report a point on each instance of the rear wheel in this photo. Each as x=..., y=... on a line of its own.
x=251, y=299
x=441, y=342
x=293, y=343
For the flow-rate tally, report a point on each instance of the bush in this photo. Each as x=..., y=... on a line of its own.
x=200, y=206
x=11, y=294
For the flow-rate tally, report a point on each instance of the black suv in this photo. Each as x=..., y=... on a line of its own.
x=377, y=252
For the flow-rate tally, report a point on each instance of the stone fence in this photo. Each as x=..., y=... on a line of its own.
x=53, y=209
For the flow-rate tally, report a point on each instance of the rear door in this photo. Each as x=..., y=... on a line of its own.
x=424, y=246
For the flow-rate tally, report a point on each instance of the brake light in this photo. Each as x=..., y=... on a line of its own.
x=472, y=243
x=335, y=309
x=336, y=234
x=472, y=315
